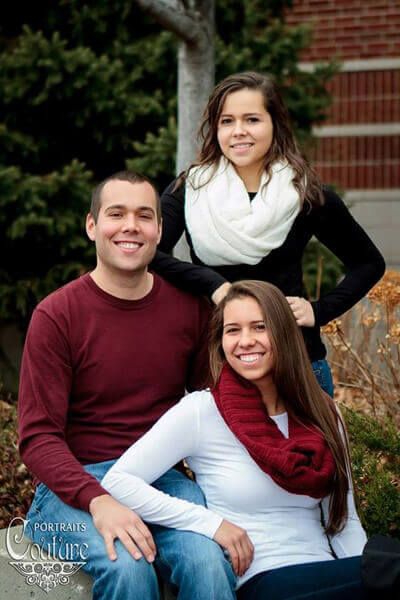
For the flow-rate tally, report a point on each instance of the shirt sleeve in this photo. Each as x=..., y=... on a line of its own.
x=336, y=228
x=45, y=384
x=175, y=436
x=196, y=279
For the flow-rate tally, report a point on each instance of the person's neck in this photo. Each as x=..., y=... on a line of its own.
x=270, y=398
x=126, y=286
x=251, y=178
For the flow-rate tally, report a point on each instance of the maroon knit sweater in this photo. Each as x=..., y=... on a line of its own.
x=97, y=372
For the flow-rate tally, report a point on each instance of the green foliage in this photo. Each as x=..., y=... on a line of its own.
x=88, y=88
x=321, y=270
x=161, y=145
x=77, y=96
x=41, y=219
x=376, y=465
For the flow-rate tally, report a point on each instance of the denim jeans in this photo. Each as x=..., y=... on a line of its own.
x=323, y=374
x=326, y=580
x=192, y=562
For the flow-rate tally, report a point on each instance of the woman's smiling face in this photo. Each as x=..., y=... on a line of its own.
x=245, y=340
x=245, y=131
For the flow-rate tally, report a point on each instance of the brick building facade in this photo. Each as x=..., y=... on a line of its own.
x=358, y=147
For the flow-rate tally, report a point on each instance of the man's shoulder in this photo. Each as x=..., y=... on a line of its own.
x=62, y=296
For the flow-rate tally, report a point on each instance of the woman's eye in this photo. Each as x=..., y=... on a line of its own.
x=225, y=121
x=260, y=327
x=231, y=330
x=253, y=119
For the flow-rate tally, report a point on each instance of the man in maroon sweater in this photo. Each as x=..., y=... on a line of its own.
x=105, y=356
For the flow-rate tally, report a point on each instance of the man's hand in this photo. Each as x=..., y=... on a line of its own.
x=302, y=310
x=236, y=541
x=114, y=520
x=220, y=292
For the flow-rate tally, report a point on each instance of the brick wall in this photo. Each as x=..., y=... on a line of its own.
x=349, y=28
x=362, y=162
x=365, y=97
x=360, y=33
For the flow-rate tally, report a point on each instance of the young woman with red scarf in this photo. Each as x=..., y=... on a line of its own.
x=269, y=450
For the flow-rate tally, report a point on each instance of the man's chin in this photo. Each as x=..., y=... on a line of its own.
x=141, y=265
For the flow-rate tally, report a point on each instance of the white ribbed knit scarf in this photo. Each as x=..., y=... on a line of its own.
x=225, y=227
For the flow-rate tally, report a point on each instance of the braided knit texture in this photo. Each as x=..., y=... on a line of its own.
x=300, y=464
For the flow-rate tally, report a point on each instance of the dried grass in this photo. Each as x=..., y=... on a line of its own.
x=364, y=352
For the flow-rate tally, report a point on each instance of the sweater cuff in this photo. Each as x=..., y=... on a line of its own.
x=317, y=312
x=214, y=522
x=215, y=284
x=90, y=491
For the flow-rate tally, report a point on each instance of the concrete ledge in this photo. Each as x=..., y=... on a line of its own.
x=361, y=64
x=15, y=586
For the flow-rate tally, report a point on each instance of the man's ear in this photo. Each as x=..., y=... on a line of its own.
x=90, y=227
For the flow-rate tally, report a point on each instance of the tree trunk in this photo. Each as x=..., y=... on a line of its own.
x=193, y=21
x=196, y=75
x=196, y=72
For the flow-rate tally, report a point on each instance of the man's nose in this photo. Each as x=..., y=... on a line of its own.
x=131, y=223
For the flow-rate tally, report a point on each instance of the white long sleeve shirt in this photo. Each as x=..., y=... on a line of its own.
x=284, y=528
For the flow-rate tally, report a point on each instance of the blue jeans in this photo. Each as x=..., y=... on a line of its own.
x=193, y=563
x=323, y=374
x=327, y=580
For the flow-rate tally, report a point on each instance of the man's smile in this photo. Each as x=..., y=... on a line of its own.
x=127, y=245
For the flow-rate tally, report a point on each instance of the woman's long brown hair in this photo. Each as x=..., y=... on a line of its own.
x=295, y=381
x=284, y=146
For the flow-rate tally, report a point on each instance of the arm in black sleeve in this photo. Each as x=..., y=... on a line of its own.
x=336, y=228
x=199, y=367
x=173, y=216
x=198, y=280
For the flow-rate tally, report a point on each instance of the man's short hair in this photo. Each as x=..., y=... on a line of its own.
x=130, y=176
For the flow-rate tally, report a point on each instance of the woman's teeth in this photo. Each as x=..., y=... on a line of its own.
x=250, y=358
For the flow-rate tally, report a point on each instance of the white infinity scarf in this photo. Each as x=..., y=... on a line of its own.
x=225, y=227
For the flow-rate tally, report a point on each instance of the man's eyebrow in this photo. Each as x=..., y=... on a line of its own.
x=149, y=208
x=115, y=206
x=123, y=207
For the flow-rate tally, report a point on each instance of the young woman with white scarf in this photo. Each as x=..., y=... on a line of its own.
x=251, y=203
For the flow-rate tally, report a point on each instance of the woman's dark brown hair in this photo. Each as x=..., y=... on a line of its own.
x=284, y=145
x=295, y=381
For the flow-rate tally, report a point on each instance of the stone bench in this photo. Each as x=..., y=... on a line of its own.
x=16, y=583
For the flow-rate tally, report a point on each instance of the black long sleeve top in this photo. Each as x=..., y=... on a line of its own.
x=332, y=224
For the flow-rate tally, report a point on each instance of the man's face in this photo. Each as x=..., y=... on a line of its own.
x=127, y=230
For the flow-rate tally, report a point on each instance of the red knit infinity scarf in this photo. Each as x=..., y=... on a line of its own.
x=302, y=464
